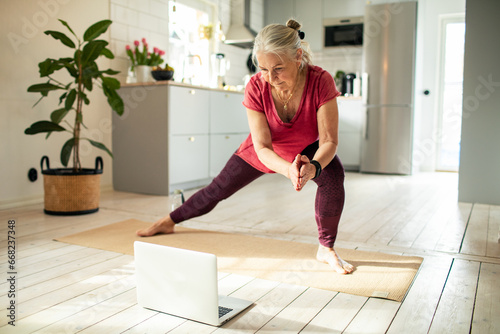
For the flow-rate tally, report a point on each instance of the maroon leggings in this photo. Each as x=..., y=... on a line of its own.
x=237, y=173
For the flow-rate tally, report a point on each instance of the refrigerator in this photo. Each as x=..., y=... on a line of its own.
x=388, y=86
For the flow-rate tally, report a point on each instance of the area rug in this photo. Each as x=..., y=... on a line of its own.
x=377, y=274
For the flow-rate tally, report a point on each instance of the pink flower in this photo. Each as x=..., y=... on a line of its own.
x=144, y=41
x=156, y=50
x=162, y=52
x=127, y=47
x=136, y=43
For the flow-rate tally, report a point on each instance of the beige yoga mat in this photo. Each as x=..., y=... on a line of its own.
x=377, y=274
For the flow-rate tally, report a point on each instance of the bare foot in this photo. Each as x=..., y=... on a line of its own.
x=328, y=255
x=162, y=226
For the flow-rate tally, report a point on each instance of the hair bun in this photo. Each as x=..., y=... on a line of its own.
x=293, y=24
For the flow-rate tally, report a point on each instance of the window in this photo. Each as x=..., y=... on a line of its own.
x=189, y=51
x=450, y=93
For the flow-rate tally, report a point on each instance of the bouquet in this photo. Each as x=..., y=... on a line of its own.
x=144, y=57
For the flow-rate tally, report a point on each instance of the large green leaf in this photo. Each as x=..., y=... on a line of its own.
x=84, y=97
x=107, y=53
x=43, y=88
x=66, y=151
x=96, y=30
x=114, y=100
x=72, y=70
x=89, y=73
x=92, y=50
x=69, y=28
x=110, y=72
x=100, y=146
x=57, y=115
x=43, y=126
x=110, y=83
x=62, y=37
x=70, y=100
x=49, y=66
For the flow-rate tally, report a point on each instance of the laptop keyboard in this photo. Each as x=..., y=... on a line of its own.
x=223, y=311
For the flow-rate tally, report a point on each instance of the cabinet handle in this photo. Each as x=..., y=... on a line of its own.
x=191, y=139
x=192, y=92
x=227, y=137
x=227, y=96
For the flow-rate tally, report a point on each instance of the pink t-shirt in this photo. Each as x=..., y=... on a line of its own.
x=289, y=139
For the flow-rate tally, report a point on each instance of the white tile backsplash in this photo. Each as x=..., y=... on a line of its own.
x=134, y=20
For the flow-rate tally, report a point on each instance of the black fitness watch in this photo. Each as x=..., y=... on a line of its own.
x=318, y=168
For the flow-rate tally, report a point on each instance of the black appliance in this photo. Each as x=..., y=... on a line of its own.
x=348, y=84
x=343, y=32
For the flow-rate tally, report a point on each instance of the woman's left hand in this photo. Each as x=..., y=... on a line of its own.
x=307, y=172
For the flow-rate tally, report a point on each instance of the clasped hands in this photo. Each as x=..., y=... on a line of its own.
x=300, y=171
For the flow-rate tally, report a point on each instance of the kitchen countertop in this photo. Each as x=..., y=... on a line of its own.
x=179, y=84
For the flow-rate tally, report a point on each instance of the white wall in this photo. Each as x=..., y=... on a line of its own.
x=479, y=179
x=23, y=46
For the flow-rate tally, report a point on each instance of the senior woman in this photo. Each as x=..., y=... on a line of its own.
x=293, y=117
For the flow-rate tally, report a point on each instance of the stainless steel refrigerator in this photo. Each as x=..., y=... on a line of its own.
x=388, y=85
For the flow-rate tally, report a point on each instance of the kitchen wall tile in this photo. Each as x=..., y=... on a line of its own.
x=119, y=31
x=123, y=3
x=148, y=22
x=140, y=6
x=131, y=17
x=159, y=9
x=118, y=13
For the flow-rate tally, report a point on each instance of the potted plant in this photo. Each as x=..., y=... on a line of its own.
x=75, y=190
x=144, y=62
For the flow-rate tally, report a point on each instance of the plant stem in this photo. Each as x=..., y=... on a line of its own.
x=78, y=110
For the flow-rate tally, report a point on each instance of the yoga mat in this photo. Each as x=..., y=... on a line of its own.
x=377, y=274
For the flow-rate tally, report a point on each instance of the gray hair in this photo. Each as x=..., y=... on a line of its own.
x=282, y=40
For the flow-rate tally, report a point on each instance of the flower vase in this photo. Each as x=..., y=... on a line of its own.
x=143, y=73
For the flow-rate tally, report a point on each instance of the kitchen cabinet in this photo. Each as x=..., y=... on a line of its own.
x=188, y=110
x=351, y=121
x=222, y=146
x=308, y=13
x=174, y=136
x=228, y=127
x=188, y=159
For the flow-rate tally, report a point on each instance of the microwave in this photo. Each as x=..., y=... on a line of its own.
x=340, y=32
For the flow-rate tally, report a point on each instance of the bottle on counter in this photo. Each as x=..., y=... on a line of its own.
x=357, y=85
x=177, y=199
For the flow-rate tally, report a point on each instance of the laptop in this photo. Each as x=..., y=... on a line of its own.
x=182, y=283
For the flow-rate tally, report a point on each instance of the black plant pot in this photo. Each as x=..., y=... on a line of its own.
x=67, y=192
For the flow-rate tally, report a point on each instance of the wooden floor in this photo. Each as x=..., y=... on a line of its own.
x=63, y=288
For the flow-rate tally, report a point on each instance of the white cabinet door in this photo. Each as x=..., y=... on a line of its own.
x=351, y=115
x=227, y=113
x=222, y=147
x=349, y=149
x=188, y=158
x=351, y=121
x=188, y=110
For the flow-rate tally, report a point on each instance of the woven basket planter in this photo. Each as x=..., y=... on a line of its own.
x=67, y=192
